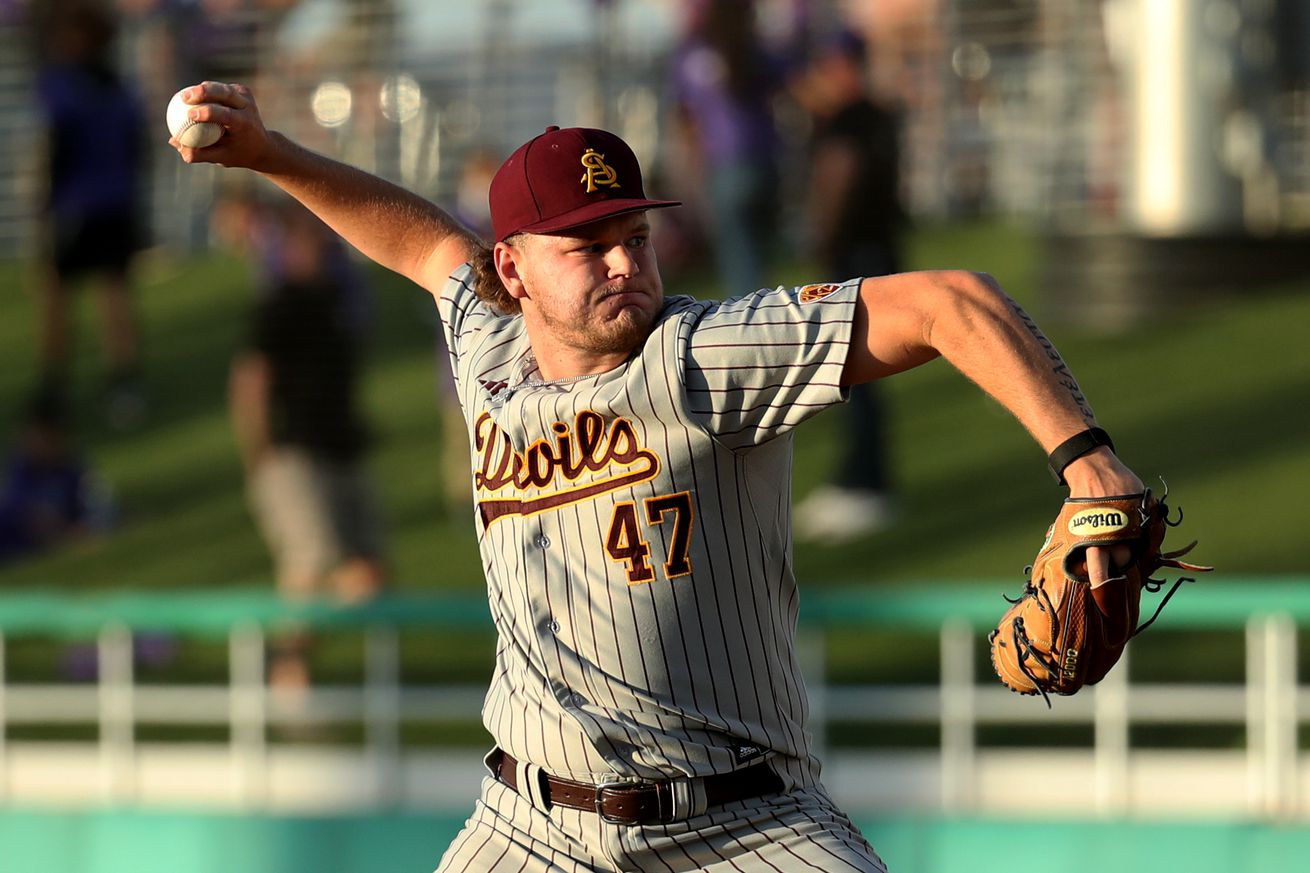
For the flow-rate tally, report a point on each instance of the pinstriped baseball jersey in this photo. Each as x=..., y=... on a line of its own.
x=634, y=531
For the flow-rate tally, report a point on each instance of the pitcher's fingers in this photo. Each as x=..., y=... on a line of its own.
x=236, y=96
x=1098, y=565
x=1107, y=562
x=224, y=115
x=243, y=94
x=208, y=155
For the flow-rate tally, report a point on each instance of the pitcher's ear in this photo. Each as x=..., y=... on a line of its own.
x=507, y=257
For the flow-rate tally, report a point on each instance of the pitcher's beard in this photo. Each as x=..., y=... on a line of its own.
x=624, y=333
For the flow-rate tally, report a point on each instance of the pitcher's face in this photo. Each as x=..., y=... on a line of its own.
x=595, y=288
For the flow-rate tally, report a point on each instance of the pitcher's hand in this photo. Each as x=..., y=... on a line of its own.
x=245, y=141
x=1101, y=474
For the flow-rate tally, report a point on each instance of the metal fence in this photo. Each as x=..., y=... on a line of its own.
x=261, y=766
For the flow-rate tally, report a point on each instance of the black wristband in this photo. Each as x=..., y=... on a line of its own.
x=1074, y=448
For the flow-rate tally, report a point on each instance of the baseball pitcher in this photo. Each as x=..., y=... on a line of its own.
x=631, y=459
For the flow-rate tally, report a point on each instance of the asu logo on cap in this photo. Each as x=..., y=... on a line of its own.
x=538, y=189
x=598, y=172
x=812, y=293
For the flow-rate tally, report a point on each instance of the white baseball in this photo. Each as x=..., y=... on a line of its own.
x=194, y=134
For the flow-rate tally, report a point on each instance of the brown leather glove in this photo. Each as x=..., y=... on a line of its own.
x=1062, y=633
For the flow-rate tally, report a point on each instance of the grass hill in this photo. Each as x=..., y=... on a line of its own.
x=1212, y=399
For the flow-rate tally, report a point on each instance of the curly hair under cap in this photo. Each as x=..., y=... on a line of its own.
x=487, y=284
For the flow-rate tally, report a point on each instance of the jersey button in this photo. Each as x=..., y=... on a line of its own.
x=542, y=541
x=577, y=699
x=553, y=626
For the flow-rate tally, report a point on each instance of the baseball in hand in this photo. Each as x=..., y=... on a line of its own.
x=193, y=134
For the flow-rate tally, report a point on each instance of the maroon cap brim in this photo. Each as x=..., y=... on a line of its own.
x=595, y=212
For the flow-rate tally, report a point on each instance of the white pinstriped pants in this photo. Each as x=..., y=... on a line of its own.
x=798, y=831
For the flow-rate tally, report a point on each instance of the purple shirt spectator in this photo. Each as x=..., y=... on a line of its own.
x=39, y=505
x=95, y=124
x=729, y=126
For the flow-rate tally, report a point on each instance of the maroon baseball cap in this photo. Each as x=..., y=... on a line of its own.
x=567, y=178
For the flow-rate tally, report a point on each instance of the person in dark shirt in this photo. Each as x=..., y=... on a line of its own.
x=856, y=219
x=301, y=335
x=302, y=437
x=91, y=227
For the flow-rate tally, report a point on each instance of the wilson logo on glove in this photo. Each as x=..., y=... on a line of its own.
x=1099, y=519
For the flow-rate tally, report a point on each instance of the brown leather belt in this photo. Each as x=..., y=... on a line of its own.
x=636, y=802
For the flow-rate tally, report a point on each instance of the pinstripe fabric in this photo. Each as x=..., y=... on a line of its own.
x=635, y=533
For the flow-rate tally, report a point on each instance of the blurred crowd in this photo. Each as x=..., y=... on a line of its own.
x=800, y=134
x=782, y=150
x=293, y=401
x=782, y=124
x=788, y=130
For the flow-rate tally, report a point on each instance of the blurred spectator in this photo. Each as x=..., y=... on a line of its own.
x=94, y=150
x=723, y=86
x=297, y=419
x=471, y=204
x=48, y=496
x=968, y=181
x=12, y=12
x=856, y=219
x=220, y=39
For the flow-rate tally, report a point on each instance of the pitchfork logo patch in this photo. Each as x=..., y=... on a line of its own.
x=814, y=293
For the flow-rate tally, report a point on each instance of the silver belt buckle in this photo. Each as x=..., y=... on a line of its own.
x=628, y=784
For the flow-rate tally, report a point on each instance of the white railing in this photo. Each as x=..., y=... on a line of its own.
x=1266, y=777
